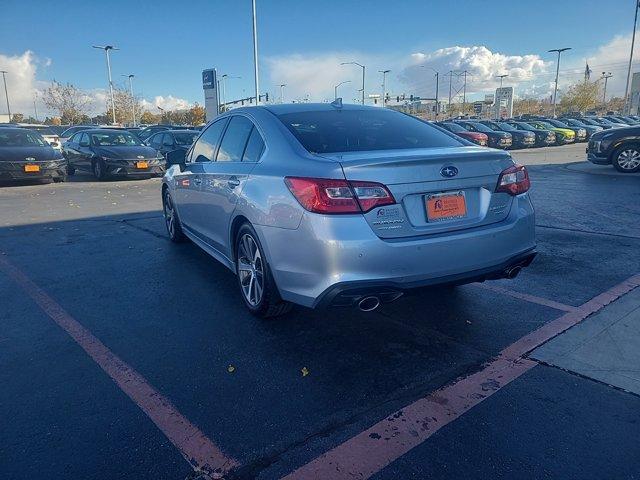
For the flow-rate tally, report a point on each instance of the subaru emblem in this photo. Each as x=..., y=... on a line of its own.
x=449, y=171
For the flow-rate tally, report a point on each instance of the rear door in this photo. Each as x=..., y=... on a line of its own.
x=223, y=180
x=188, y=183
x=436, y=190
x=83, y=159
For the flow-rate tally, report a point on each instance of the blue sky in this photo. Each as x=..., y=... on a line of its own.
x=166, y=44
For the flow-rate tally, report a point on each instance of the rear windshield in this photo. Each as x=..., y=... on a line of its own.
x=42, y=130
x=13, y=138
x=452, y=127
x=185, y=138
x=362, y=130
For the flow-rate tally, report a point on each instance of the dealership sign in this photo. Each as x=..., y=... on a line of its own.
x=210, y=87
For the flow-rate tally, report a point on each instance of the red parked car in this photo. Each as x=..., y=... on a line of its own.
x=476, y=137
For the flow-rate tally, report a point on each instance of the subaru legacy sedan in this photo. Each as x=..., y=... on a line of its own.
x=323, y=205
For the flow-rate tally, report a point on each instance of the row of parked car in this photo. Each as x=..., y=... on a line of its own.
x=26, y=153
x=534, y=131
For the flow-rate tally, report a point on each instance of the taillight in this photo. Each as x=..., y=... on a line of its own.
x=514, y=180
x=324, y=195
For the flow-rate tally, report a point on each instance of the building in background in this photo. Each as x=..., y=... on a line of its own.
x=4, y=118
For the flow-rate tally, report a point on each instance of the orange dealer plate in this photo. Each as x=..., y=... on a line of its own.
x=446, y=206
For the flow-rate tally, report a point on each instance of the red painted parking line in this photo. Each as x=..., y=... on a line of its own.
x=528, y=298
x=195, y=447
x=370, y=451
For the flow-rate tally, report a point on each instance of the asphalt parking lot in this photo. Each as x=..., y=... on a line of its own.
x=126, y=356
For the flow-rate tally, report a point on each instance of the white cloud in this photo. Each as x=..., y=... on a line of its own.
x=21, y=81
x=166, y=103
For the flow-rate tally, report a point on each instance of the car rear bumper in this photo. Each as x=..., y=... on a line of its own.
x=329, y=254
x=48, y=169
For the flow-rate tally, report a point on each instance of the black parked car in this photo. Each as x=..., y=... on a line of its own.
x=496, y=139
x=24, y=154
x=617, y=146
x=107, y=152
x=171, y=140
x=544, y=138
x=521, y=138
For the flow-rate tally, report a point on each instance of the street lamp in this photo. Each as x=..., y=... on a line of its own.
x=282, y=85
x=106, y=49
x=255, y=51
x=6, y=94
x=224, y=87
x=133, y=100
x=605, y=76
x=161, y=113
x=335, y=89
x=437, y=88
x=363, y=72
x=555, y=90
x=502, y=77
x=384, y=85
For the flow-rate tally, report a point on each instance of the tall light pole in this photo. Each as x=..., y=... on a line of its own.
x=627, y=100
x=555, y=90
x=106, y=49
x=282, y=85
x=605, y=76
x=161, y=113
x=502, y=77
x=6, y=94
x=384, y=86
x=335, y=89
x=255, y=51
x=133, y=100
x=363, y=72
x=437, y=88
x=224, y=87
x=35, y=108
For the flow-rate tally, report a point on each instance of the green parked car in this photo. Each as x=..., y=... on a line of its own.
x=563, y=135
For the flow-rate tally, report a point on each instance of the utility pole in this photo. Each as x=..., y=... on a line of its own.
x=255, y=52
x=35, y=108
x=627, y=100
x=555, y=90
x=605, y=76
x=335, y=89
x=450, y=80
x=384, y=86
x=133, y=100
x=6, y=94
x=106, y=49
x=363, y=71
x=282, y=85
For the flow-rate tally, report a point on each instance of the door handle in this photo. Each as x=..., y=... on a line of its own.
x=233, y=182
x=197, y=181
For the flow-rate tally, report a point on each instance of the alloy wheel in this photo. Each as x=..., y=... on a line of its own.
x=629, y=159
x=169, y=215
x=250, y=269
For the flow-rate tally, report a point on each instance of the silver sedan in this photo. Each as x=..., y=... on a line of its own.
x=324, y=205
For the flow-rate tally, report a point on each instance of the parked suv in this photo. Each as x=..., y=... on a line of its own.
x=617, y=146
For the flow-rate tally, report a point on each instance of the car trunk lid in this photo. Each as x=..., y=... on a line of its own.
x=462, y=178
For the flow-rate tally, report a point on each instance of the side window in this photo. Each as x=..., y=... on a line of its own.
x=75, y=138
x=84, y=140
x=205, y=147
x=153, y=140
x=167, y=140
x=255, y=147
x=470, y=127
x=235, y=139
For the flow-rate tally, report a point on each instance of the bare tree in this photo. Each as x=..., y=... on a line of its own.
x=67, y=100
x=124, y=103
x=580, y=97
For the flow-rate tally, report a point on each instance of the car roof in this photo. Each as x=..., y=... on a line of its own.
x=104, y=130
x=284, y=108
x=17, y=129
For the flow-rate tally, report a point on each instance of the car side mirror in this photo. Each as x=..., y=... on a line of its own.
x=176, y=157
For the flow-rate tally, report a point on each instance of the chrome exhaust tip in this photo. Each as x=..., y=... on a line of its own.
x=512, y=272
x=368, y=304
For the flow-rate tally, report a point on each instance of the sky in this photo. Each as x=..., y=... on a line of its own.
x=166, y=45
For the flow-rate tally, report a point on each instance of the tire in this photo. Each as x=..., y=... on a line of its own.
x=626, y=158
x=257, y=286
x=60, y=179
x=71, y=170
x=171, y=220
x=99, y=170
